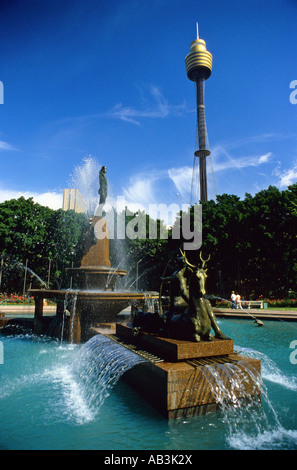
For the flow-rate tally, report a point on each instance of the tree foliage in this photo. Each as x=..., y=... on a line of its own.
x=252, y=243
x=41, y=239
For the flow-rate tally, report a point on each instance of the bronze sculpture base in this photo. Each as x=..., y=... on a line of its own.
x=174, y=349
x=175, y=383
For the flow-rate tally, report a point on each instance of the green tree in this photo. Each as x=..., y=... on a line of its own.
x=65, y=243
x=252, y=243
x=37, y=237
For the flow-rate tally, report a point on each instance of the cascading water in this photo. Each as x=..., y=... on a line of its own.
x=65, y=303
x=99, y=364
x=241, y=415
x=270, y=371
x=73, y=314
x=112, y=273
x=250, y=426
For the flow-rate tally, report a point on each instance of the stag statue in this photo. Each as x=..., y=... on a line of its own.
x=190, y=316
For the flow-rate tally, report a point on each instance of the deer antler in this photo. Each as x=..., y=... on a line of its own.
x=203, y=260
x=185, y=258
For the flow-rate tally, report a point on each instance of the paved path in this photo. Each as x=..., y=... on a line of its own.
x=258, y=313
x=19, y=310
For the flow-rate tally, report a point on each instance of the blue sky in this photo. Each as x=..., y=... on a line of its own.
x=107, y=78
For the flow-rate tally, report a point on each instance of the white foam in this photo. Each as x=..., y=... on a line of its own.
x=16, y=384
x=74, y=404
x=270, y=371
x=278, y=438
x=259, y=428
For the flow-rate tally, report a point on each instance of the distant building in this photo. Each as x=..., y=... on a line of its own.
x=72, y=199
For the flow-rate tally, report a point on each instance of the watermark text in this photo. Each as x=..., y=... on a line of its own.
x=293, y=355
x=122, y=224
x=1, y=93
x=1, y=353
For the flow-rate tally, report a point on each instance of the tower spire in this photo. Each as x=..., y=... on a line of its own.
x=199, y=67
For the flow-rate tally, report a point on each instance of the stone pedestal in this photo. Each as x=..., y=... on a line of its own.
x=95, y=271
x=175, y=350
x=181, y=389
x=95, y=277
x=97, y=244
x=180, y=382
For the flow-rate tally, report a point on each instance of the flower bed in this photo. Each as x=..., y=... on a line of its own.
x=223, y=304
x=15, y=299
x=281, y=303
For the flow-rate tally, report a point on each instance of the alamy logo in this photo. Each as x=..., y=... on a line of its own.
x=293, y=355
x=189, y=228
x=293, y=94
x=1, y=93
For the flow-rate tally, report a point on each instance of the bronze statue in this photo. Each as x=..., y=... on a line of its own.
x=102, y=186
x=190, y=316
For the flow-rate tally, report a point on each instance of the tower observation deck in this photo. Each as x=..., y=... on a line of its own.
x=199, y=67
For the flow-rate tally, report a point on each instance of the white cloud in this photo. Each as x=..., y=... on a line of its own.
x=50, y=199
x=155, y=106
x=221, y=161
x=159, y=108
x=152, y=187
x=264, y=158
x=182, y=178
x=6, y=146
x=287, y=177
x=223, y=154
x=141, y=188
x=237, y=163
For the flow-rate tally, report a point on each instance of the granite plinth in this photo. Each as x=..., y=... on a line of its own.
x=182, y=383
x=95, y=271
x=182, y=389
x=176, y=350
x=97, y=253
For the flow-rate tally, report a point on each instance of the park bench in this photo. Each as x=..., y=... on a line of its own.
x=255, y=303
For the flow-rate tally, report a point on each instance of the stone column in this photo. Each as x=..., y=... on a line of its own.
x=38, y=314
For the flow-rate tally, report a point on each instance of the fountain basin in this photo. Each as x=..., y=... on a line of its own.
x=86, y=307
x=95, y=277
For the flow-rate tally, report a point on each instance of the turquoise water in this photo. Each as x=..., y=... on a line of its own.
x=51, y=398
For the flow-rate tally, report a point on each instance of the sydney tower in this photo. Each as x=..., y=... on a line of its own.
x=199, y=65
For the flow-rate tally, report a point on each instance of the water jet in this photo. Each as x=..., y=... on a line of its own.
x=93, y=298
